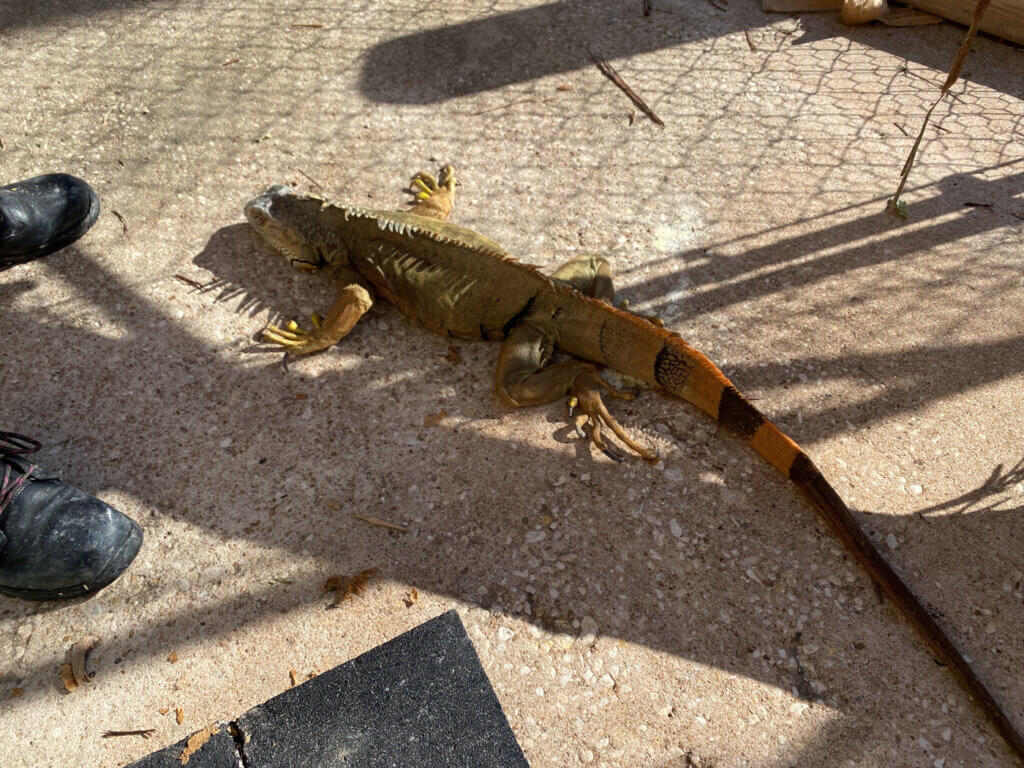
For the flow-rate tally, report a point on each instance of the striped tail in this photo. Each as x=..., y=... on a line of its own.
x=666, y=361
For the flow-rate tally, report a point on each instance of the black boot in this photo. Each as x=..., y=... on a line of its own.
x=42, y=215
x=55, y=540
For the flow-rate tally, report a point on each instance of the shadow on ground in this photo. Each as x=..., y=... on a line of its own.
x=488, y=53
x=460, y=480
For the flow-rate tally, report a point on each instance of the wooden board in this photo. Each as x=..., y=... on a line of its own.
x=1003, y=18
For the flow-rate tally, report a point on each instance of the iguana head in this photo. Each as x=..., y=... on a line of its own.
x=288, y=222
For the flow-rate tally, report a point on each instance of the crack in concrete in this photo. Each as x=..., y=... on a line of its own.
x=241, y=739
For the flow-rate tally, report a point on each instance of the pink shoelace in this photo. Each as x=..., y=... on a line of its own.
x=13, y=444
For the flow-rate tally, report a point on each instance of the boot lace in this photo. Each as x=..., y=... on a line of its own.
x=13, y=444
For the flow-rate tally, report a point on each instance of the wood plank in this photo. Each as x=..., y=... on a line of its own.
x=1003, y=18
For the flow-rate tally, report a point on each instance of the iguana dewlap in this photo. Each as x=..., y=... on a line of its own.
x=456, y=282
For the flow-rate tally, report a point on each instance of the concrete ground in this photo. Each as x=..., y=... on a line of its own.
x=697, y=613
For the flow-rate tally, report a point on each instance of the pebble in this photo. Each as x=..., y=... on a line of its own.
x=226, y=442
x=947, y=734
x=892, y=541
x=25, y=632
x=588, y=630
x=940, y=763
x=674, y=528
x=915, y=489
x=532, y=537
x=505, y=634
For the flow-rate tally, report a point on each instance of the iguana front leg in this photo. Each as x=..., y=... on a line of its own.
x=523, y=377
x=354, y=301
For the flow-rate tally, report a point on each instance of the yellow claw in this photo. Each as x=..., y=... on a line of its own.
x=422, y=195
x=316, y=320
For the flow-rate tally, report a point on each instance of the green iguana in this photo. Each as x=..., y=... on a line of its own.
x=454, y=281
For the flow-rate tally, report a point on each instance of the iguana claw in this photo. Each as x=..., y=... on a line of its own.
x=424, y=185
x=296, y=339
x=586, y=396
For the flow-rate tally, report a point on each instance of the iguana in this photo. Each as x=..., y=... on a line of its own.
x=456, y=282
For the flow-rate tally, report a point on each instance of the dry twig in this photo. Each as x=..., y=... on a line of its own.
x=190, y=281
x=608, y=71
x=318, y=184
x=143, y=732
x=381, y=523
x=897, y=206
x=124, y=224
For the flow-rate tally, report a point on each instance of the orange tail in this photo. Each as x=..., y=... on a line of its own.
x=666, y=361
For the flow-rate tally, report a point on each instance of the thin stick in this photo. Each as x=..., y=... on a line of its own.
x=746, y=34
x=381, y=523
x=608, y=71
x=143, y=732
x=190, y=281
x=321, y=186
x=124, y=224
x=897, y=206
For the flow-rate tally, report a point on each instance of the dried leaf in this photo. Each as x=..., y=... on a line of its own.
x=453, y=355
x=334, y=506
x=334, y=583
x=381, y=523
x=162, y=710
x=172, y=657
x=564, y=87
x=353, y=586
x=433, y=421
x=179, y=715
x=197, y=740
x=68, y=677
x=16, y=692
x=294, y=675
x=412, y=598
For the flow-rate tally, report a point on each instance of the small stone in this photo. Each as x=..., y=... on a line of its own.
x=940, y=763
x=540, y=690
x=25, y=632
x=505, y=634
x=532, y=537
x=990, y=629
x=947, y=734
x=674, y=528
x=924, y=744
x=588, y=630
x=915, y=489
x=798, y=708
x=892, y=541
x=587, y=756
x=226, y=442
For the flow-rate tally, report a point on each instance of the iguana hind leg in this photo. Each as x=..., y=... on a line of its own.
x=354, y=300
x=591, y=274
x=523, y=377
x=435, y=198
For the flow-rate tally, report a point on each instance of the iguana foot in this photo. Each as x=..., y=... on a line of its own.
x=424, y=185
x=585, y=396
x=652, y=319
x=296, y=339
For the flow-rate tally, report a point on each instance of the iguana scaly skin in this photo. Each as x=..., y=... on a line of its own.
x=456, y=282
